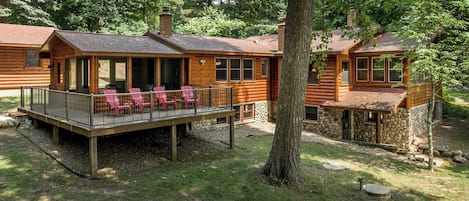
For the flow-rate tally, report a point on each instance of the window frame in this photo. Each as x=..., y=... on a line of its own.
x=367, y=118
x=244, y=69
x=401, y=70
x=367, y=69
x=373, y=69
x=236, y=69
x=28, y=57
x=317, y=113
x=245, y=110
x=347, y=72
x=267, y=65
x=226, y=69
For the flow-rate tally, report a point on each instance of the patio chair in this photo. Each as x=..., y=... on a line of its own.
x=163, y=99
x=136, y=95
x=113, y=102
x=188, y=96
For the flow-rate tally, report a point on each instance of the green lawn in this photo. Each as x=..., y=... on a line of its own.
x=456, y=103
x=9, y=103
x=28, y=174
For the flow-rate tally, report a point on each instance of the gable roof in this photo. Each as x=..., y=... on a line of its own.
x=338, y=43
x=105, y=43
x=24, y=35
x=211, y=44
x=385, y=42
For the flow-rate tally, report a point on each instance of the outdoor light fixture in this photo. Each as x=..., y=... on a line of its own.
x=202, y=61
x=314, y=69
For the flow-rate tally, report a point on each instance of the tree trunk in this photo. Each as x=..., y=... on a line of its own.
x=283, y=164
x=431, y=108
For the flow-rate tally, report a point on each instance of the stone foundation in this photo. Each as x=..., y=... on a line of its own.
x=262, y=111
x=418, y=117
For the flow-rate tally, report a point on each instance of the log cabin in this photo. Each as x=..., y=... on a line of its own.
x=19, y=64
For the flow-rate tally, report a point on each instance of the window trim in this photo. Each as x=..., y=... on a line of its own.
x=240, y=69
x=253, y=112
x=373, y=69
x=348, y=71
x=367, y=69
x=252, y=69
x=267, y=67
x=317, y=113
x=27, y=58
x=226, y=69
x=389, y=71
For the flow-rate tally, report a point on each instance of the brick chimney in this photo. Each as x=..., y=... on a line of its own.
x=351, y=18
x=166, y=22
x=281, y=34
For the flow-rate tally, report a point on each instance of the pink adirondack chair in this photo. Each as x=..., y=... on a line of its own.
x=113, y=102
x=163, y=99
x=188, y=96
x=136, y=95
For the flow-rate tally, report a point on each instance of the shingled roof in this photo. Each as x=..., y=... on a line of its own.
x=24, y=35
x=338, y=43
x=385, y=42
x=105, y=43
x=211, y=44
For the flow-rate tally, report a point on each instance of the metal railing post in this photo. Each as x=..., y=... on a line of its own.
x=210, y=96
x=91, y=110
x=44, y=99
x=66, y=104
x=151, y=105
x=195, y=101
x=22, y=96
x=231, y=97
x=31, y=98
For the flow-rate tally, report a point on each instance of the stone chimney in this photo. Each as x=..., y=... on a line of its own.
x=281, y=34
x=166, y=22
x=351, y=18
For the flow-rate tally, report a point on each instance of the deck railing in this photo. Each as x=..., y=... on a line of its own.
x=91, y=110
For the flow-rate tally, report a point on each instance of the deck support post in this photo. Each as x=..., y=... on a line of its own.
x=36, y=123
x=93, y=152
x=232, y=134
x=55, y=134
x=173, y=143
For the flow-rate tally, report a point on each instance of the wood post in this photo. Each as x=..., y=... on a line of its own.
x=378, y=127
x=173, y=143
x=352, y=132
x=93, y=151
x=55, y=134
x=36, y=123
x=232, y=135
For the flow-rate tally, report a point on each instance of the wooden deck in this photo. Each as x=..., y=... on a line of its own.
x=79, y=114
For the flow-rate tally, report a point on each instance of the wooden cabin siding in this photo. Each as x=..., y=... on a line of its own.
x=274, y=75
x=325, y=90
x=419, y=94
x=342, y=88
x=59, y=53
x=243, y=91
x=14, y=72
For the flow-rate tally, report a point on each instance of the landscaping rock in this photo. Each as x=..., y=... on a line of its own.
x=436, y=153
x=457, y=153
x=446, y=154
x=411, y=158
x=441, y=148
x=401, y=151
x=419, y=158
x=459, y=159
x=424, y=146
x=7, y=122
x=466, y=155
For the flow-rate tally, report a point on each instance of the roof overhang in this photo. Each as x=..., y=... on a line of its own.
x=385, y=100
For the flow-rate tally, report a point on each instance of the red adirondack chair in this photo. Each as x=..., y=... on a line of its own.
x=136, y=95
x=113, y=102
x=163, y=99
x=188, y=96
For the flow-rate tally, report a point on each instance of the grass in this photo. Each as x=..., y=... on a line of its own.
x=456, y=102
x=9, y=103
x=27, y=174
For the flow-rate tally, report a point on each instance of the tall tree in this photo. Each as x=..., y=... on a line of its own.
x=31, y=12
x=283, y=164
x=441, y=56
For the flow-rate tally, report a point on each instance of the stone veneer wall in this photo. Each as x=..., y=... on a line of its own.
x=328, y=124
x=262, y=111
x=418, y=116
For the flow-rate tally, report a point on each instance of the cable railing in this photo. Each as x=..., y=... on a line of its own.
x=92, y=110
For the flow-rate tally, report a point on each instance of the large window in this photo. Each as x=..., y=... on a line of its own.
x=377, y=69
x=104, y=72
x=31, y=60
x=221, y=69
x=345, y=71
x=248, y=69
x=71, y=74
x=362, y=69
x=235, y=69
x=265, y=67
x=248, y=112
x=112, y=74
x=311, y=113
x=395, y=70
x=313, y=75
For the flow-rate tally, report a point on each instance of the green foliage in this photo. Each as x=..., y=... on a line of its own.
x=455, y=108
x=213, y=23
x=32, y=12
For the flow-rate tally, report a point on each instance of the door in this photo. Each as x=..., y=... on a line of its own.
x=346, y=125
